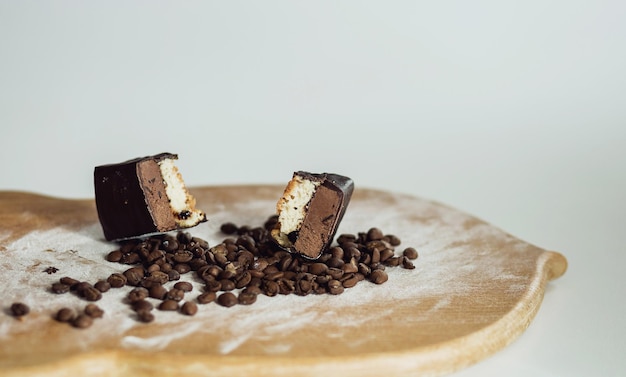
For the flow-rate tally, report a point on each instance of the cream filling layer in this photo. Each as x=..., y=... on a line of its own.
x=292, y=207
x=181, y=202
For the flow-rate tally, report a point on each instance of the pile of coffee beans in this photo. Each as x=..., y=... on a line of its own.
x=246, y=264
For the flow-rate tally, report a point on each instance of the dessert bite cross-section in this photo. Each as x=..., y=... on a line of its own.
x=142, y=196
x=310, y=210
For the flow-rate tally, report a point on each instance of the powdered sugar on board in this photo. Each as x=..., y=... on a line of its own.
x=459, y=257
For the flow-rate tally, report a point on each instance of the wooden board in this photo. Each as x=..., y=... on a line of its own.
x=475, y=289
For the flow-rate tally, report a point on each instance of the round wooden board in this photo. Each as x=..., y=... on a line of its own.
x=475, y=289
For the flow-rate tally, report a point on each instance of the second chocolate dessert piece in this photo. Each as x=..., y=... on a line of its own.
x=142, y=196
x=310, y=210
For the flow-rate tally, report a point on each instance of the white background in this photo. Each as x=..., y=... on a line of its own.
x=512, y=111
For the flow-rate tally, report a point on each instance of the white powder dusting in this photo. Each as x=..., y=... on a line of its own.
x=446, y=268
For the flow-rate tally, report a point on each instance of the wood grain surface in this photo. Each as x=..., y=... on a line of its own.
x=475, y=289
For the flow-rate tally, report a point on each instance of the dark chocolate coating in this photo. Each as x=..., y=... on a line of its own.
x=131, y=199
x=324, y=214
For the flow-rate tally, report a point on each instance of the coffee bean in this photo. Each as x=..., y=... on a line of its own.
x=394, y=261
x=335, y=287
x=170, y=244
x=378, y=276
x=90, y=293
x=69, y=281
x=375, y=256
x=350, y=281
x=93, y=311
x=19, y=309
x=270, y=288
x=243, y=280
x=335, y=263
x=152, y=268
x=134, y=275
x=59, y=288
x=158, y=292
x=140, y=305
x=64, y=315
x=173, y=274
x=374, y=234
x=184, y=237
x=246, y=298
x=102, y=285
x=344, y=238
x=406, y=263
x=385, y=254
x=247, y=242
x=335, y=273
x=364, y=269
x=252, y=290
x=410, y=253
x=197, y=263
x=189, y=308
x=227, y=285
x=182, y=256
x=137, y=294
x=213, y=286
x=158, y=277
x=206, y=297
x=175, y=294
x=166, y=267
x=228, y=228
x=82, y=321
x=80, y=287
x=169, y=305
x=182, y=268
x=227, y=299
x=131, y=258
x=114, y=256
x=145, y=316
x=273, y=276
x=350, y=267
x=184, y=286
x=392, y=239
x=117, y=280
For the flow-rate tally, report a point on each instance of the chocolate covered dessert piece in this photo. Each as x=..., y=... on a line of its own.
x=310, y=210
x=142, y=196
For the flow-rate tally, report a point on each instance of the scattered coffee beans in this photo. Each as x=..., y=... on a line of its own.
x=117, y=280
x=184, y=286
x=235, y=271
x=227, y=299
x=142, y=305
x=137, y=294
x=102, y=285
x=189, y=308
x=206, y=297
x=59, y=288
x=69, y=281
x=168, y=305
x=246, y=298
x=82, y=321
x=93, y=311
x=19, y=309
x=64, y=315
x=410, y=253
x=145, y=316
x=158, y=292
